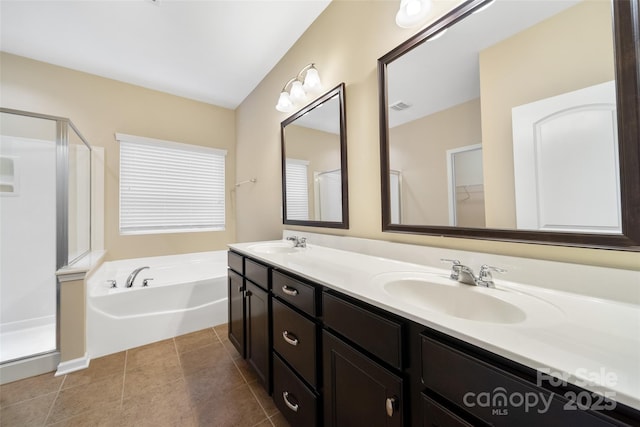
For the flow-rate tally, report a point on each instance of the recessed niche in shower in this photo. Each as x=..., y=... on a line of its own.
x=9, y=176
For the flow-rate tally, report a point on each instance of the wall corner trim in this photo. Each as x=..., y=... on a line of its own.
x=73, y=365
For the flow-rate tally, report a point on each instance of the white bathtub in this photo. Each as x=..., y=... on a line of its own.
x=187, y=293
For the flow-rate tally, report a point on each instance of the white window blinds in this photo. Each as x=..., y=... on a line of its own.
x=297, y=189
x=168, y=187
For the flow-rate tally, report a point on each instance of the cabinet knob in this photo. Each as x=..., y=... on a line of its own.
x=391, y=405
x=289, y=291
x=290, y=338
x=292, y=406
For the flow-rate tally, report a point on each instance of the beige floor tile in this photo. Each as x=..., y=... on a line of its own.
x=108, y=416
x=196, y=340
x=236, y=408
x=222, y=330
x=98, y=369
x=212, y=384
x=151, y=378
x=279, y=420
x=204, y=358
x=150, y=353
x=32, y=412
x=84, y=398
x=169, y=407
x=246, y=370
x=264, y=399
x=29, y=388
x=264, y=423
x=230, y=348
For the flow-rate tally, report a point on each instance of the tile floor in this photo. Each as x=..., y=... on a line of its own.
x=196, y=379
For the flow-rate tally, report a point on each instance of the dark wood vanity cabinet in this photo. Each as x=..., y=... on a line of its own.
x=250, y=313
x=362, y=365
x=296, y=346
x=236, y=326
x=333, y=360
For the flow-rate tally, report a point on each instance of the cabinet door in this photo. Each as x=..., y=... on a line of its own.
x=236, y=312
x=358, y=391
x=258, y=335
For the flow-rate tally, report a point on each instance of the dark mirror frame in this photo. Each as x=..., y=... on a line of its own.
x=340, y=92
x=626, y=22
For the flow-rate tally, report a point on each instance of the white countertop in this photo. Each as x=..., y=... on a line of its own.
x=590, y=342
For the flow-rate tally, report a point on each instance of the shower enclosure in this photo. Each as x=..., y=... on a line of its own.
x=45, y=185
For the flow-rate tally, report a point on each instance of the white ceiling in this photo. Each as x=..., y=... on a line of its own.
x=215, y=51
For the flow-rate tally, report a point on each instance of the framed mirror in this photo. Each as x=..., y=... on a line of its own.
x=314, y=163
x=516, y=121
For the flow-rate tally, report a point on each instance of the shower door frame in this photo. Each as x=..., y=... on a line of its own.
x=62, y=205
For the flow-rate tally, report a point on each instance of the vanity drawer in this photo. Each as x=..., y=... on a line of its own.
x=378, y=335
x=295, y=292
x=257, y=273
x=235, y=262
x=436, y=415
x=295, y=339
x=470, y=383
x=296, y=402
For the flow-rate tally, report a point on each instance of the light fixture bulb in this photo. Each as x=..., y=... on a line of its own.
x=312, y=82
x=412, y=12
x=297, y=92
x=284, y=103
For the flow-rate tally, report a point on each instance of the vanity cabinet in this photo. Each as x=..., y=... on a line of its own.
x=334, y=360
x=479, y=389
x=362, y=363
x=250, y=313
x=296, y=347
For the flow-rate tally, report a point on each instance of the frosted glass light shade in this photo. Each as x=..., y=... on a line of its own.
x=412, y=12
x=312, y=82
x=284, y=103
x=297, y=92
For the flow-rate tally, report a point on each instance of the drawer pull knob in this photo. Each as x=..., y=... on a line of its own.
x=293, y=407
x=391, y=405
x=286, y=335
x=289, y=291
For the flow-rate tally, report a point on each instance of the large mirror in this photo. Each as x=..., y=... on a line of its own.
x=516, y=120
x=314, y=163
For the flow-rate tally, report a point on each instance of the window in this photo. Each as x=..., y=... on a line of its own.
x=168, y=187
x=297, y=189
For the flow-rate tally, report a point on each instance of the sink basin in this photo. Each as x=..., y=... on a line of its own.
x=274, y=248
x=441, y=294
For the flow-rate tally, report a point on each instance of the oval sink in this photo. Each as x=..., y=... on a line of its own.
x=446, y=296
x=274, y=248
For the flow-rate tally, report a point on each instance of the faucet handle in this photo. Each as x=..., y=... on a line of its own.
x=455, y=267
x=485, y=277
x=113, y=283
x=145, y=282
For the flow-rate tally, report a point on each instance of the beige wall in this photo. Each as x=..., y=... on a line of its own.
x=418, y=149
x=540, y=62
x=101, y=107
x=345, y=43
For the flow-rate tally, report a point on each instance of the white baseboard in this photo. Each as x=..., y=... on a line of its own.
x=73, y=365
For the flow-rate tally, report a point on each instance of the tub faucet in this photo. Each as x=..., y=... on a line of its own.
x=133, y=275
x=298, y=242
x=464, y=274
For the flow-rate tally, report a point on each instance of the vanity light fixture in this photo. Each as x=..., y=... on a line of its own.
x=412, y=12
x=296, y=90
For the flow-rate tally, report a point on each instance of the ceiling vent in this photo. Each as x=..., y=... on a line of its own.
x=399, y=106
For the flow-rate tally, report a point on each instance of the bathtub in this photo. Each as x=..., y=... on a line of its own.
x=187, y=293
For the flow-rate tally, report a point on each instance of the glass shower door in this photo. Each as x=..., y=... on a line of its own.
x=28, y=290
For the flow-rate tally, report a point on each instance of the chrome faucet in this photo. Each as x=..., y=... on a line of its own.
x=298, y=242
x=133, y=275
x=464, y=274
